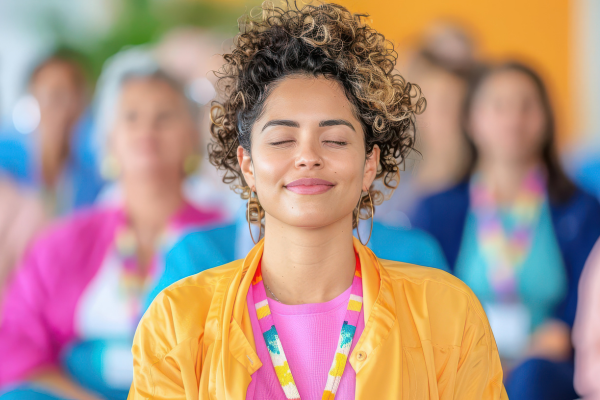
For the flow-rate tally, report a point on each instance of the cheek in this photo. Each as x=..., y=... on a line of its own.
x=536, y=126
x=176, y=142
x=127, y=152
x=349, y=171
x=120, y=143
x=270, y=168
x=269, y=177
x=482, y=127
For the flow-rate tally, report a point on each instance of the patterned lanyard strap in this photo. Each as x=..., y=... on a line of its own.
x=135, y=288
x=505, y=248
x=282, y=368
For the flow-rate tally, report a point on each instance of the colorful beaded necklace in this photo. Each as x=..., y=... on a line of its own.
x=280, y=363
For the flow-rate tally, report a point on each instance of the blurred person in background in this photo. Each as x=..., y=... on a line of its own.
x=191, y=55
x=21, y=217
x=442, y=66
x=53, y=158
x=586, y=332
x=70, y=313
x=517, y=230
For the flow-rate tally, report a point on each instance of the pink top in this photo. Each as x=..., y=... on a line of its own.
x=586, y=331
x=309, y=334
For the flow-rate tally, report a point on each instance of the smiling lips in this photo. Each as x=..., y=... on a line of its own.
x=309, y=186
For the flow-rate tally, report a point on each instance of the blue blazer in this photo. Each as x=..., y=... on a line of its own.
x=576, y=225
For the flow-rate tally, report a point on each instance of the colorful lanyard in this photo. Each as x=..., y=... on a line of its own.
x=280, y=363
x=133, y=287
x=505, y=248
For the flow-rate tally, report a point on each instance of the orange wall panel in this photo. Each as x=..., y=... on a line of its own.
x=535, y=31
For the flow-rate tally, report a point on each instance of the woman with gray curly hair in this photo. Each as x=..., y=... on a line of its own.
x=313, y=117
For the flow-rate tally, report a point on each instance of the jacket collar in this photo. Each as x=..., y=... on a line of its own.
x=379, y=306
x=378, y=302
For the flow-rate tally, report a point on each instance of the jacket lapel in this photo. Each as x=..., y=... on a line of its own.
x=380, y=316
x=239, y=359
x=238, y=353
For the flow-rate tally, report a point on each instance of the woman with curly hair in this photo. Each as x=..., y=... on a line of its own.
x=313, y=116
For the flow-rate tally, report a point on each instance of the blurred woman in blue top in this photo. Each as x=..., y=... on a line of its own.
x=56, y=157
x=518, y=230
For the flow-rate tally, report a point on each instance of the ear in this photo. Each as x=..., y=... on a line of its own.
x=110, y=146
x=371, y=165
x=245, y=162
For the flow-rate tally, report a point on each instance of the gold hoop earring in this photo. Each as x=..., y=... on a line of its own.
x=248, y=217
x=357, y=219
x=220, y=108
x=191, y=163
x=109, y=168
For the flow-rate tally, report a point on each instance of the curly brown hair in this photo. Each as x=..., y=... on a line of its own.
x=324, y=40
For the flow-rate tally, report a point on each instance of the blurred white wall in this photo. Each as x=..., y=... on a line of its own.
x=586, y=59
x=26, y=35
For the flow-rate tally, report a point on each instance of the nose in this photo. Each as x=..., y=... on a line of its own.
x=308, y=157
x=147, y=126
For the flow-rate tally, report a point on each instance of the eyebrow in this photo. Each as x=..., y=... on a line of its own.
x=334, y=122
x=281, y=122
x=294, y=124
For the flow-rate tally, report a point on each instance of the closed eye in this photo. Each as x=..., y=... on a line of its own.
x=281, y=142
x=337, y=143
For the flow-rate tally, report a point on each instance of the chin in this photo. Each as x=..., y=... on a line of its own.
x=150, y=172
x=311, y=219
x=311, y=212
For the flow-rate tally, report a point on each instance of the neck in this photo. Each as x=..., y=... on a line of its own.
x=301, y=265
x=506, y=178
x=150, y=205
x=449, y=165
x=53, y=157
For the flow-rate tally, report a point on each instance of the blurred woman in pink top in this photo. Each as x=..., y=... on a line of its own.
x=70, y=314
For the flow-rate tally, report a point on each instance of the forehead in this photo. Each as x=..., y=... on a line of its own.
x=58, y=71
x=510, y=83
x=149, y=89
x=302, y=98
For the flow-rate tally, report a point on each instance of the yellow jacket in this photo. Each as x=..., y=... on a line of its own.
x=426, y=337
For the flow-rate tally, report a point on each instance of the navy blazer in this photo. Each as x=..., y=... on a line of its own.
x=576, y=225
